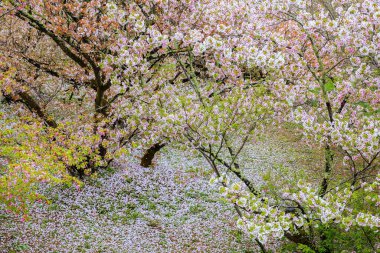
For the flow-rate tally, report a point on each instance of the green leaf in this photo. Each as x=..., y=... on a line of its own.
x=329, y=85
x=315, y=91
x=363, y=104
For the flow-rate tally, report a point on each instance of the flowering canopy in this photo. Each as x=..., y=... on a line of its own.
x=211, y=75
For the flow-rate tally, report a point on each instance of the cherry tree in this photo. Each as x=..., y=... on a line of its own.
x=327, y=82
x=312, y=63
x=210, y=75
x=55, y=63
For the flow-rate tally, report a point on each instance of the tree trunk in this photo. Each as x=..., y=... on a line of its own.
x=329, y=157
x=147, y=159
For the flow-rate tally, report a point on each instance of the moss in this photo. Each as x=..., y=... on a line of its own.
x=195, y=209
x=153, y=222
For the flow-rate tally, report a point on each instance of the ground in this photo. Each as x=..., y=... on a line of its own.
x=167, y=208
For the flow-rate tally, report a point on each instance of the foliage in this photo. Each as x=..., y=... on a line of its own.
x=211, y=76
x=28, y=164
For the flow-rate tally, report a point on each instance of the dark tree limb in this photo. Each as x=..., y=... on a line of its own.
x=34, y=107
x=147, y=159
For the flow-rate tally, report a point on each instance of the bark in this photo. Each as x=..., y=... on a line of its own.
x=148, y=157
x=329, y=157
x=101, y=106
x=246, y=181
x=34, y=107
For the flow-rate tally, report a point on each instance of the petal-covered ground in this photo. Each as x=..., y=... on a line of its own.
x=167, y=208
